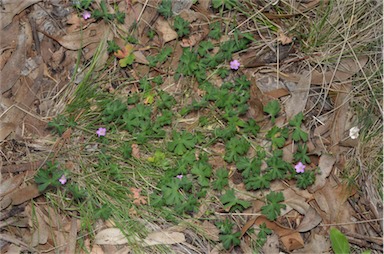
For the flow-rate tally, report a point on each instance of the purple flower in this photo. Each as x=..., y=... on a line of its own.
x=86, y=15
x=101, y=131
x=234, y=65
x=179, y=176
x=63, y=179
x=300, y=167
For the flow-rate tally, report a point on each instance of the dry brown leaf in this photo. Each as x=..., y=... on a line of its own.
x=135, y=151
x=345, y=70
x=77, y=40
x=290, y=238
x=271, y=245
x=9, y=8
x=164, y=237
x=110, y=236
x=27, y=193
x=311, y=220
x=318, y=244
x=295, y=201
x=165, y=30
x=210, y=231
x=331, y=199
x=326, y=163
x=97, y=249
x=341, y=115
x=17, y=59
x=136, y=196
x=284, y=39
x=10, y=184
x=299, y=95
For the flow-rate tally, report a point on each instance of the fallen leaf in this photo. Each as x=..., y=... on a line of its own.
x=164, y=237
x=326, y=163
x=310, y=220
x=331, y=199
x=10, y=184
x=318, y=244
x=165, y=30
x=110, y=236
x=135, y=151
x=136, y=196
x=80, y=39
x=290, y=238
x=284, y=39
x=17, y=59
x=210, y=231
x=299, y=95
x=12, y=7
x=125, y=51
x=27, y=193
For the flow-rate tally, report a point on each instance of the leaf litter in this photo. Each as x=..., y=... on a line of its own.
x=328, y=201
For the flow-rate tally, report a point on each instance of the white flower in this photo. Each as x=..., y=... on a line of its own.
x=354, y=132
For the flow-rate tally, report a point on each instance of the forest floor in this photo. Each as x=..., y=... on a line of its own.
x=209, y=126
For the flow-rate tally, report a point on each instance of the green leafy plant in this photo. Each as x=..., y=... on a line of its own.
x=181, y=26
x=339, y=241
x=215, y=30
x=229, y=4
x=188, y=64
x=112, y=47
x=221, y=179
x=61, y=123
x=278, y=136
x=113, y=111
x=262, y=235
x=301, y=154
x=181, y=142
x=232, y=203
x=249, y=167
x=103, y=12
x=48, y=176
x=165, y=8
x=226, y=236
x=305, y=179
x=234, y=148
x=272, y=108
x=298, y=133
x=203, y=170
x=272, y=207
x=161, y=57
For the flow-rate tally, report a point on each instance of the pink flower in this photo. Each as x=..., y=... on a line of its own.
x=179, y=176
x=300, y=167
x=86, y=15
x=234, y=65
x=101, y=131
x=63, y=179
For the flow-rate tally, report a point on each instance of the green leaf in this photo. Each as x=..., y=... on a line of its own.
x=305, y=179
x=128, y=60
x=230, y=240
x=181, y=26
x=203, y=170
x=234, y=148
x=278, y=136
x=215, y=30
x=257, y=182
x=272, y=108
x=273, y=206
x=165, y=8
x=230, y=201
x=339, y=241
x=171, y=193
x=221, y=179
x=181, y=142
